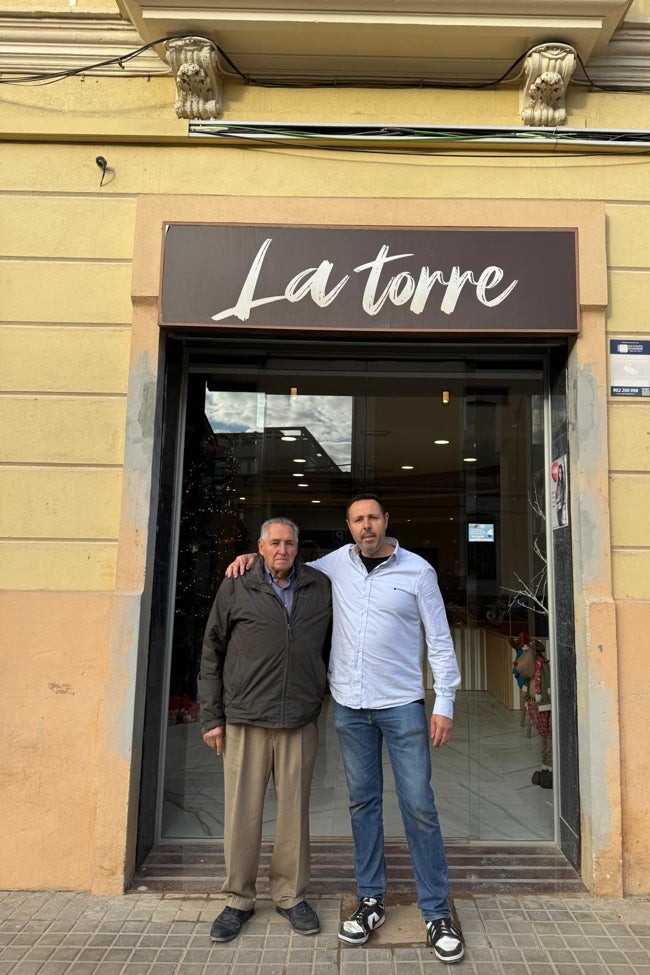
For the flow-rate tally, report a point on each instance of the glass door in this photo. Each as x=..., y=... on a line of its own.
x=456, y=450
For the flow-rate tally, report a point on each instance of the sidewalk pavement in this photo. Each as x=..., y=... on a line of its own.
x=142, y=933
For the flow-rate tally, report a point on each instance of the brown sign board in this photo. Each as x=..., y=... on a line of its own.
x=402, y=279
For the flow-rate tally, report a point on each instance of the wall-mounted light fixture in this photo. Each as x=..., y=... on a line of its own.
x=102, y=162
x=445, y=397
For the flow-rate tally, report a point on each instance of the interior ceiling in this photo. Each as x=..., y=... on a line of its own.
x=382, y=39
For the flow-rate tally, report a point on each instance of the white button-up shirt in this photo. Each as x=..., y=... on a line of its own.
x=383, y=621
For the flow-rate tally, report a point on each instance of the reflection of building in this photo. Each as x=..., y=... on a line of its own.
x=279, y=451
x=295, y=470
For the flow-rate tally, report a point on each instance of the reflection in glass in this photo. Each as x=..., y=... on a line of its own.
x=481, y=525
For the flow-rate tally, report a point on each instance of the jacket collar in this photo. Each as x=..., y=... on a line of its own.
x=255, y=578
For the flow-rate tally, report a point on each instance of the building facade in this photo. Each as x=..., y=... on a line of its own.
x=381, y=250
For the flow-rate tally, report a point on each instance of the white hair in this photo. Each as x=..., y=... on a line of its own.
x=264, y=530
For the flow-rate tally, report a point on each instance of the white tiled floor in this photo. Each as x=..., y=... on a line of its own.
x=482, y=782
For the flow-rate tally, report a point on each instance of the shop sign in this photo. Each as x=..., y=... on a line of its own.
x=469, y=280
x=629, y=367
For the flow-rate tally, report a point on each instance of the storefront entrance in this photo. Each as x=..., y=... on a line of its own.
x=459, y=447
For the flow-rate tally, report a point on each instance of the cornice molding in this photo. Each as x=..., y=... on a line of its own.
x=32, y=46
x=626, y=59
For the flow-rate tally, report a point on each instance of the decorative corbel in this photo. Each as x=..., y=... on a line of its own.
x=198, y=86
x=548, y=69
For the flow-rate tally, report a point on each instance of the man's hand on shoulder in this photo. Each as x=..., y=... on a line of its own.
x=241, y=565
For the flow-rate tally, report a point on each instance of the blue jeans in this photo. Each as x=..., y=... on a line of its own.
x=361, y=734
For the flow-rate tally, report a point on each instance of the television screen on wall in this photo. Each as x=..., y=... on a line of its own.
x=480, y=532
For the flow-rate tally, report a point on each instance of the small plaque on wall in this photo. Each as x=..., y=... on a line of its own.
x=629, y=367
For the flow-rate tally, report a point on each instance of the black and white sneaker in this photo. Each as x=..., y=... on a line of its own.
x=446, y=939
x=369, y=915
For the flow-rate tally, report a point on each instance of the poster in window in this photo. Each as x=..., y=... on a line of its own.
x=559, y=493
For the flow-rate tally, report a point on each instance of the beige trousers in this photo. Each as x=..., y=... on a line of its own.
x=250, y=757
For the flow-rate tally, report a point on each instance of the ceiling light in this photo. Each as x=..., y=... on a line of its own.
x=440, y=442
x=470, y=460
x=243, y=498
x=407, y=467
x=288, y=439
x=299, y=460
x=303, y=485
x=315, y=501
x=296, y=475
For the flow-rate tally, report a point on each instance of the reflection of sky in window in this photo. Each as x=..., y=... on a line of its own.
x=328, y=418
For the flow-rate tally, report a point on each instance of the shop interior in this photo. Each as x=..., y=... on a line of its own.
x=457, y=448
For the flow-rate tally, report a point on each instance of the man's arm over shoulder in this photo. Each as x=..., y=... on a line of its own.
x=327, y=563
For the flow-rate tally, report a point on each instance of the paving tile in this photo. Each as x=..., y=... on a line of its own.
x=143, y=956
x=26, y=938
x=249, y=956
x=82, y=968
x=54, y=968
x=40, y=953
x=27, y=968
x=636, y=958
x=14, y=952
x=141, y=934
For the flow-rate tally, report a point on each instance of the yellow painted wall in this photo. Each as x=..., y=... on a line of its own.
x=68, y=447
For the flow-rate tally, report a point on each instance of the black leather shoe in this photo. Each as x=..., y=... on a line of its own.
x=302, y=918
x=229, y=923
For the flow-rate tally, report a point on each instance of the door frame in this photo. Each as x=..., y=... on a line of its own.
x=594, y=609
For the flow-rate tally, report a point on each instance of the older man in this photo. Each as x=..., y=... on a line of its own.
x=261, y=685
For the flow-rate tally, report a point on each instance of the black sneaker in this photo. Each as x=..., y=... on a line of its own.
x=369, y=915
x=446, y=939
x=229, y=923
x=302, y=918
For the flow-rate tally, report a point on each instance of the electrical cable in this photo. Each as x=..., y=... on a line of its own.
x=49, y=77
x=45, y=78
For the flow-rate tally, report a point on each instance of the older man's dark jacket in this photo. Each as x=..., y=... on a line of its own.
x=260, y=666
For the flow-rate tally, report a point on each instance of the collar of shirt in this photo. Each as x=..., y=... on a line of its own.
x=284, y=593
x=355, y=551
